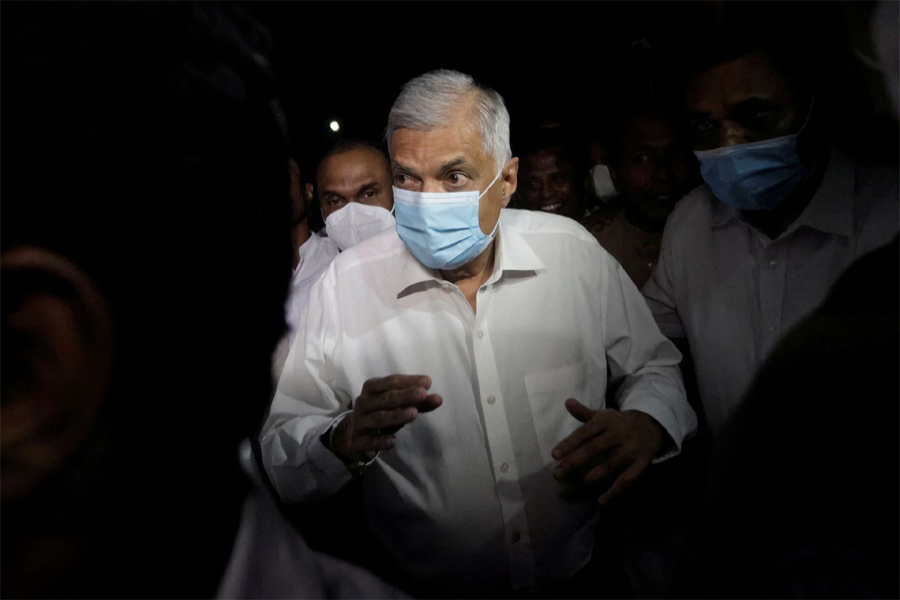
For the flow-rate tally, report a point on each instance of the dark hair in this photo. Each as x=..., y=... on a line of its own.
x=532, y=140
x=173, y=198
x=797, y=50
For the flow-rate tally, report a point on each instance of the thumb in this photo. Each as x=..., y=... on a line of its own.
x=579, y=410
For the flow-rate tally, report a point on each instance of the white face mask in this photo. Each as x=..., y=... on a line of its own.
x=601, y=183
x=356, y=222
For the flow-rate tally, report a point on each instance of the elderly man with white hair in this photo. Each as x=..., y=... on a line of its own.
x=459, y=364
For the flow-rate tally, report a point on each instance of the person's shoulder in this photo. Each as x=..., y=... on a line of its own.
x=696, y=210
x=373, y=255
x=532, y=224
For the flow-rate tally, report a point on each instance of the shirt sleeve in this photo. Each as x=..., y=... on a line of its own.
x=643, y=362
x=305, y=405
x=659, y=293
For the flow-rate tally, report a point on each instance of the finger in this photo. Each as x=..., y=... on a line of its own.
x=593, y=449
x=595, y=426
x=379, y=385
x=391, y=400
x=386, y=419
x=431, y=402
x=610, y=468
x=623, y=482
x=579, y=410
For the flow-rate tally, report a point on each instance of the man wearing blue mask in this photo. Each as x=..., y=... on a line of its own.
x=784, y=212
x=459, y=364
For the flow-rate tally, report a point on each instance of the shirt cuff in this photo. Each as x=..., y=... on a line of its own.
x=662, y=415
x=350, y=467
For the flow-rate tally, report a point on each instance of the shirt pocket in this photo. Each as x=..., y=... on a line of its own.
x=547, y=395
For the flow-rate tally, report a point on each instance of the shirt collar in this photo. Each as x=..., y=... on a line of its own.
x=514, y=258
x=831, y=208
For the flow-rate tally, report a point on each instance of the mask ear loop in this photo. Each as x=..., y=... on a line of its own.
x=812, y=103
x=493, y=233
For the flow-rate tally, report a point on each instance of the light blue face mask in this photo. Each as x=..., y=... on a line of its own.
x=756, y=176
x=441, y=229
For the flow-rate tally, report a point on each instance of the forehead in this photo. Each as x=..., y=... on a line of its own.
x=649, y=130
x=752, y=75
x=426, y=151
x=545, y=161
x=354, y=167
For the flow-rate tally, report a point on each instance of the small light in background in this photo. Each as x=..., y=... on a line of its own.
x=335, y=126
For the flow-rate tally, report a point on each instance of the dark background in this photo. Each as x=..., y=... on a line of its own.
x=575, y=61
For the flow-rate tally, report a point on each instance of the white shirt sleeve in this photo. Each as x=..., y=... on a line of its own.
x=659, y=293
x=305, y=405
x=643, y=361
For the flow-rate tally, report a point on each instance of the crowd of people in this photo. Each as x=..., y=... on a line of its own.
x=475, y=359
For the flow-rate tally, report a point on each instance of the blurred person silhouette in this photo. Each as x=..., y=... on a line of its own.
x=148, y=139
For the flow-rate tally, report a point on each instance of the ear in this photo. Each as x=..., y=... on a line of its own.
x=298, y=197
x=309, y=191
x=57, y=353
x=510, y=179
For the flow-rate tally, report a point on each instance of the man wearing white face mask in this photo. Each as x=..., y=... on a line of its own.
x=746, y=257
x=353, y=183
x=459, y=365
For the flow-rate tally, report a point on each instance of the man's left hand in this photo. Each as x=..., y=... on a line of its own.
x=618, y=444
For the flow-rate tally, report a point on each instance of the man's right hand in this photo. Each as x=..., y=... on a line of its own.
x=385, y=405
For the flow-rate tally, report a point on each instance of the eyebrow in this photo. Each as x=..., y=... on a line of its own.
x=367, y=186
x=395, y=166
x=459, y=161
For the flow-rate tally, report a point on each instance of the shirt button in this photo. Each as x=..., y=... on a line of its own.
x=771, y=328
x=516, y=537
x=446, y=286
x=504, y=467
x=491, y=399
x=480, y=334
x=772, y=264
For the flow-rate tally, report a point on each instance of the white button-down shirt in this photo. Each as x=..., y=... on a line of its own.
x=316, y=254
x=733, y=293
x=466, y=498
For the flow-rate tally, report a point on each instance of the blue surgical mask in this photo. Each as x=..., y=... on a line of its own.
x=756, y=176
x=441, y=229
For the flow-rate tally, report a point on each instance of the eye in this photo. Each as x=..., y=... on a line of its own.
x=703, y=125
x=559, y=178
x=641, y=159
x=457, y=179
x=400, y=179
x=369, y=194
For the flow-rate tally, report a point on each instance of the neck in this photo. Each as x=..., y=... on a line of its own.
x=479, y=269
x=299, y=235
x=774, y=222
x=643, y=222
x=471, y=276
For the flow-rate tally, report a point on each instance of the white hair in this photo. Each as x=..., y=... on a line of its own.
x=430, y=100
